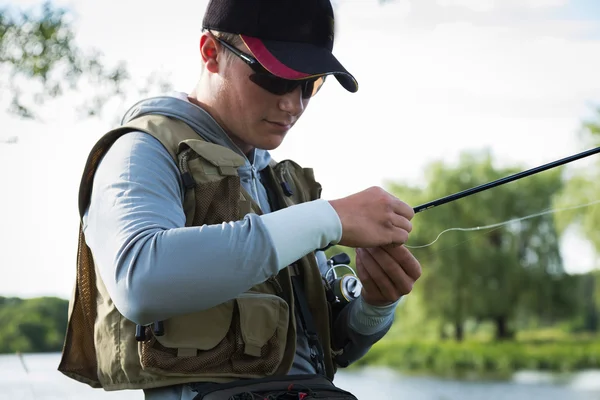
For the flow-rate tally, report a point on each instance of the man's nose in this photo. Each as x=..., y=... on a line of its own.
x=292, y=102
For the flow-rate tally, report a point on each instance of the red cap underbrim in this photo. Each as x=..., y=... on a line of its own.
x=290, y=60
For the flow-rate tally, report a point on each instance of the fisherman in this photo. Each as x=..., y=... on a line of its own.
x=201, y=265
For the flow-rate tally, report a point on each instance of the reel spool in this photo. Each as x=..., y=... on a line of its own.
x=345, y=288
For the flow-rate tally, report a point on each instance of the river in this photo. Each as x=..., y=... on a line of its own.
x=37, y=378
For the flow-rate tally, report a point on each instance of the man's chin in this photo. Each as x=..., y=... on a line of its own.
x=269, y=148
x=273, y=142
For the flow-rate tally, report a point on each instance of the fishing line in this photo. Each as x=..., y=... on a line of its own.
x=29, y=384
x=500, y=224
x=438, y=251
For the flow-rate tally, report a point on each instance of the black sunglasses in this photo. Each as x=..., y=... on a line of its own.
x=272, y=83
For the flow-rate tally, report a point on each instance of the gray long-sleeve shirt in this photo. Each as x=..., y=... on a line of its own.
x=154, y=267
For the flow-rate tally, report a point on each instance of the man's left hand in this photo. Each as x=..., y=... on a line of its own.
x=386, y=273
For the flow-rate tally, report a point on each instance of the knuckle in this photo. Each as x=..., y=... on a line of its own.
x=403, y=236
x=383, y=195
x=389, y=225
x=408, y=286
x=375, y=190
x=419, y=271
x=388, y=206
x=411, y=212
x=396, y=291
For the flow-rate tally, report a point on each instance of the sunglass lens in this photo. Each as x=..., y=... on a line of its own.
x=272, y=83
x=280, y=86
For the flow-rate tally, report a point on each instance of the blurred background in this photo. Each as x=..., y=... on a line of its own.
x=453, y=94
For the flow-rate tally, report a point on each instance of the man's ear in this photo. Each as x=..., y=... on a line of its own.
x=208, y=51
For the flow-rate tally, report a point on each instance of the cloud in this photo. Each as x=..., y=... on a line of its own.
x=473, y=5
x=543, y=3
x=490, y=5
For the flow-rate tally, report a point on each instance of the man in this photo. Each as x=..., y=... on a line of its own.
x=214, y=298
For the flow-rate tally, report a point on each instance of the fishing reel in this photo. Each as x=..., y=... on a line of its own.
x=342, y=289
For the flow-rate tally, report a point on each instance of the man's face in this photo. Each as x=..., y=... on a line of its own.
x=254, y=117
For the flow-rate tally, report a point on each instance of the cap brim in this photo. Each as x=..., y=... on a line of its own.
x=291, y=60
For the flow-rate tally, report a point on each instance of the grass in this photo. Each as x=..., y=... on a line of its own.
x=486, y=358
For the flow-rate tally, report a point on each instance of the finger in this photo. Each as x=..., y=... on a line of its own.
x=400, y=229
x=398, y=278
x=365, y=278
x=382, y=280
x=405, y=259
x=403, y=209
x=398, y=237
x=401, y=222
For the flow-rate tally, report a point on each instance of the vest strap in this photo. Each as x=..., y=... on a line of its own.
x=276, y=195
x=316, y=350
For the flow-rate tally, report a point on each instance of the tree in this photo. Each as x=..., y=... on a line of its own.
x=489, y=275
x=39, y=54
x=582, y=187
x=32, y=325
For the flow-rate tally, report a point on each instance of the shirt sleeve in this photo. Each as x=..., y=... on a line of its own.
x=154, y=267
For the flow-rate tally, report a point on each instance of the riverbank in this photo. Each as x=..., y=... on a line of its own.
x=41, y=381
x=484, y=359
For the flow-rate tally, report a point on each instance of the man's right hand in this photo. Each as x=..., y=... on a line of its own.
x=373, y=218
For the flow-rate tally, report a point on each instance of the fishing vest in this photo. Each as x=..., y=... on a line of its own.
x=250, y=336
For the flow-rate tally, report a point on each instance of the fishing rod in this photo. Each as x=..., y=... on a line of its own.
x=504, y=180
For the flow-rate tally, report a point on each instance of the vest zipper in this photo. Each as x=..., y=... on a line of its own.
x=254, y=178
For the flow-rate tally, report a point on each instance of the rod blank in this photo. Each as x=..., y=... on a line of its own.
x=504, y=180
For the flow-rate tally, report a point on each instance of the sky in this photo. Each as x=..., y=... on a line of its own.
x=436, y=78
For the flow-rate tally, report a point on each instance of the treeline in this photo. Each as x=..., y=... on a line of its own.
x=32, y=325
x=497, y=294
x=511, y=276
x=493, y=262
x=38, y=324
x=484, y=276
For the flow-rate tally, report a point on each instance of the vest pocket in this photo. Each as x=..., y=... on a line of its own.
x=243, y=337
x=301, y=181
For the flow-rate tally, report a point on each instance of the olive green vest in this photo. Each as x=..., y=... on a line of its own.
x=250, y=336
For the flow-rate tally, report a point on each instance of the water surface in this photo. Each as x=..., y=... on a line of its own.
x=37, y=378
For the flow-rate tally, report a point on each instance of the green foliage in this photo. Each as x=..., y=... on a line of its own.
x=587, y=291
x=39, y=54
x=32, y=325
x=490, y=282
x=583, y=187
x=498, y=359
x=494, y=274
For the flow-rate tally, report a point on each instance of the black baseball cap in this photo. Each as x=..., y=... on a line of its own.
x=292, y=39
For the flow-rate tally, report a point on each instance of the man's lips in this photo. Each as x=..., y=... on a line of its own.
x=282, y=124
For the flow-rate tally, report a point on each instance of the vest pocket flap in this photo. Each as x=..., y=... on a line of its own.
x=244, y=337
x=203, y=330
x=299, y=183
x=261, y=316
x=218, y=156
